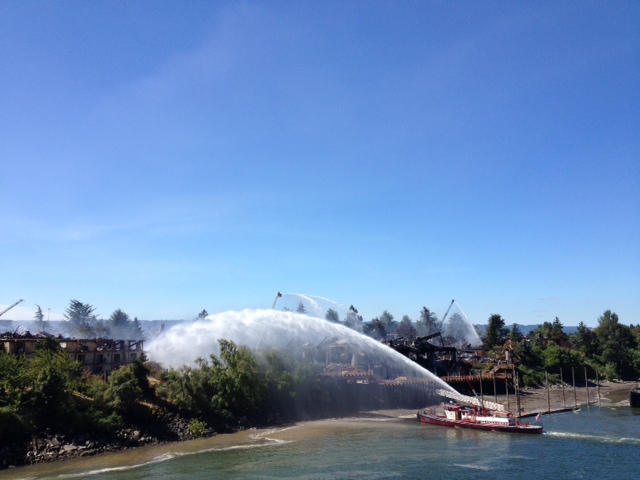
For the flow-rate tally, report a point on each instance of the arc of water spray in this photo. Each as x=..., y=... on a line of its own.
x=467, y=318
x=183, y=343
x=315, y=305
x=315, y=308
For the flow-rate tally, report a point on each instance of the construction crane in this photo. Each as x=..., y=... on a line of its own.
x=10, y=307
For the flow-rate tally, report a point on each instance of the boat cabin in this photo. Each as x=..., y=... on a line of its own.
x=459, y=413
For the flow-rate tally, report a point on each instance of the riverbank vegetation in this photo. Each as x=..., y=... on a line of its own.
x=48, y=394
x=610, y=351
x=51, y=409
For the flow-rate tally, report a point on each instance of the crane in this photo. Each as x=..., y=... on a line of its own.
x=447, y=312
x=273, y=307
x=10, y=307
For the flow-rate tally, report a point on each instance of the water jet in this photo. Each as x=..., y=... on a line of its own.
x=346, y=356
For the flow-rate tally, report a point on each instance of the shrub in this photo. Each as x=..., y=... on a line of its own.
x=12, y=426
x=197, y=428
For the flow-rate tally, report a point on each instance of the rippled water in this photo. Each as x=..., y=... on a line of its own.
x=594, y=443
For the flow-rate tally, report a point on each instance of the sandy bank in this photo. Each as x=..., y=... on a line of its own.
x=534, y=400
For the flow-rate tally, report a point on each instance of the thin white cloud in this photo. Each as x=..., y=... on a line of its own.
x=214, y=60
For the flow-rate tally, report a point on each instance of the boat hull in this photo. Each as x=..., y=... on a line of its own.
x=441, y=420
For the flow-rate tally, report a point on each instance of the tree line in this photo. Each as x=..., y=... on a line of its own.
x=49, y=391
x=83, y=322
x=611, y=350
x=241, y=387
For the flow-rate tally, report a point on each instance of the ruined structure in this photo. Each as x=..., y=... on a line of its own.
x=98, y=356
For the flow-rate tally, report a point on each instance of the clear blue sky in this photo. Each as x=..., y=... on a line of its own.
x=165, y=157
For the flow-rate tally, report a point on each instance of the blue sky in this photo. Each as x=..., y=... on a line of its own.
x=168, y=157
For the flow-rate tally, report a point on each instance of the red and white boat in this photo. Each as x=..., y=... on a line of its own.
x=477, y=417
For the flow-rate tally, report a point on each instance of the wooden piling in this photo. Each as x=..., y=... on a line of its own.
x=575, y=394
x=515, y=376
x=506, y=388
x=495, y=390
x=546, y=376
x=586, y=384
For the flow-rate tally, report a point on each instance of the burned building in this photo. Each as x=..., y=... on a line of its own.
x=97, y=356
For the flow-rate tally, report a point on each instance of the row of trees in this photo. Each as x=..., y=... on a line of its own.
x=49, y=390
x=386, y=324
x=239, y=387
x=83, y=322
x=612, y=349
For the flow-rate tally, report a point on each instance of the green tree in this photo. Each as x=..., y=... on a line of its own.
x=555, y=357
x=141, y=373
x=515, y=334
x=456, y=329
x=280, y=381
x=636, y=332
x=39, y=318
x=123, y=391
x=388, y=321
x=585, y=341
x=190, y=389
x=557, y=333
x=543, y=334
x=202, y=315
x=82, y=319
x=300, y=308
x=332, y=316
x=496, y=332
x=13, y=380
x=406, y=329
x=52, y=376
x=119, y=325
x=617, y=343
x=237, y=381
x=428, y=323
x=353, y=320
x=375, y=329
x=136, y=330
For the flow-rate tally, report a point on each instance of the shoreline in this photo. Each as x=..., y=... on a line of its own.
x=535, y=401
x=57, y=448
x=557, y=398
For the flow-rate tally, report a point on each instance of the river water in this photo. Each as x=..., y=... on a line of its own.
x=595, y=443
